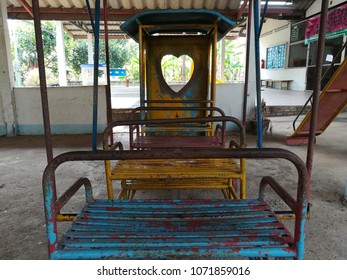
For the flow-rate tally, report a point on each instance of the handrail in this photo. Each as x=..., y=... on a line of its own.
x=222, y=119
x=173, y=108
x=325, y=73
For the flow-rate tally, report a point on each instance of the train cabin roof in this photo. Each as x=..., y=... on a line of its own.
x=177, y=21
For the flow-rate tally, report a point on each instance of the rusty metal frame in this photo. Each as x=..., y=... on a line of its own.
x=109, y=128
x=43, y=84
x=52, y=205
x=317, y=85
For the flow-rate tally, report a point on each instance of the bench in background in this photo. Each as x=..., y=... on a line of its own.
x=284, y=84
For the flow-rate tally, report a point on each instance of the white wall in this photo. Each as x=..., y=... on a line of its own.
x=71, y=110
x=229, y=97
x=2, y=121
x=272, y=37
x=297, y=74
x=7, y=103
x=272, y=24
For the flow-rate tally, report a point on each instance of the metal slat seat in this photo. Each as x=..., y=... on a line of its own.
x=155, y=142
x=162, y=229
x=175, y=229
x=151, y=174
x=148, y=174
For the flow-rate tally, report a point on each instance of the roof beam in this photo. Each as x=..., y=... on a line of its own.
x=280, y=11
x=243, y=7
x=69, y=14
x=27, y=7
x=102, y=37
x=82, y=14
x=81, y=25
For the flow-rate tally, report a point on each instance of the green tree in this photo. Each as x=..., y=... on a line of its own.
x=118, y=53
x=234, y=60
x=133, y=64
x=172, y=68
x=23, y=46
x=78, y=56
x=26, y=46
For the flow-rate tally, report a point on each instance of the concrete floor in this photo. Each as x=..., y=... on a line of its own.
x=276, y=97
x=129, y=97
x=22, y=161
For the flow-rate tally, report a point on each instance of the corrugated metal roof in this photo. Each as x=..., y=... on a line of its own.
x=75, y=16
x=136, y=4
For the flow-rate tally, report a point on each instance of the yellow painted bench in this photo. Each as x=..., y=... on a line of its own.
x=176, y=174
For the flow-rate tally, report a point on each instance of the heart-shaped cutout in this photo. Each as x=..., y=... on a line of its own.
x=177, y=71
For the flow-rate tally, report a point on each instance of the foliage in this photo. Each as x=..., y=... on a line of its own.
x=31, y=77
x=234, y=60
x=133, y=64
x=78, y=56
x=26, y=46
x=117, y=51
x=76, y=51
x=123, y=54
x=172, y=68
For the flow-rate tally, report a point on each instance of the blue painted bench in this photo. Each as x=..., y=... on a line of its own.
x=179, y=229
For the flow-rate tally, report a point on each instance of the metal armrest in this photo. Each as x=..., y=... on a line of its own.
x=68, y=194
x=116, y=145
x=233, y=144
x=220, y=129
x=175, y=108
x=286, y=197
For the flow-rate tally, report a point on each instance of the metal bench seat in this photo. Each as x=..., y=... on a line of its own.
x=178, y=173
x=144, y=170
x=163, y=229
x=129, y=187
x=155, y=142
x=175, y=229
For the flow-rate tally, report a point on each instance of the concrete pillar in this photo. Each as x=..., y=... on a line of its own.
x=60, y=48
x=90, y=48
x=222, y=59
x=7, y=100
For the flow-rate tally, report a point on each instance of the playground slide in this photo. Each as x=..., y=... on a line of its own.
x=332, y=101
